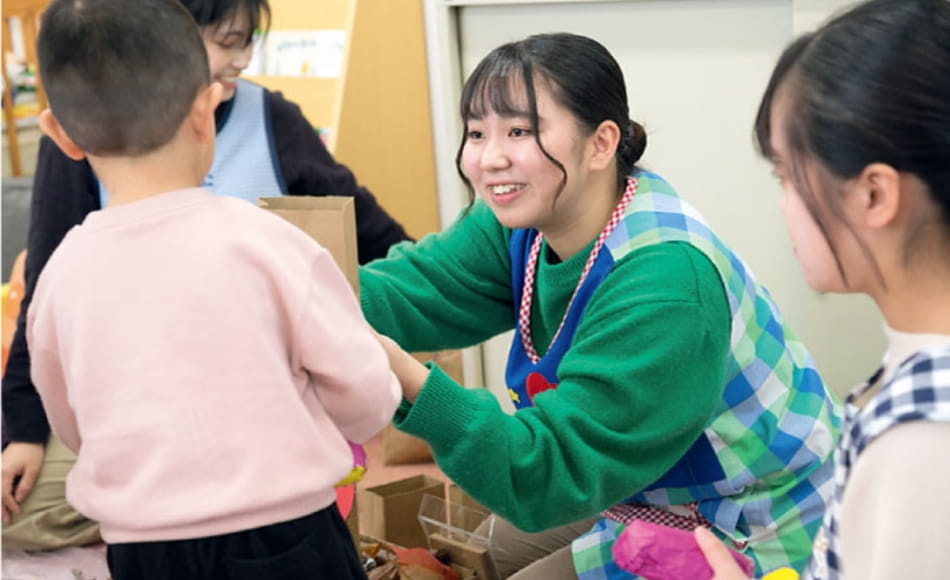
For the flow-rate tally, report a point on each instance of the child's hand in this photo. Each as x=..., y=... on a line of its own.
x=717, y=555
x=411, y=373
x=21, y=465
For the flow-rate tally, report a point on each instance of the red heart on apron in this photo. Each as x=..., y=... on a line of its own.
x=536, y=383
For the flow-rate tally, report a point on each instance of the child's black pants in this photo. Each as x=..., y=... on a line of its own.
x=315, y=546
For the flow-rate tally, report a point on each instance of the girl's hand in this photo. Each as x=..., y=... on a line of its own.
x=411, y=373
x=717, y=555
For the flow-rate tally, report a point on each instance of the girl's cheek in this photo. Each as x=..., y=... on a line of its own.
x=469, y=161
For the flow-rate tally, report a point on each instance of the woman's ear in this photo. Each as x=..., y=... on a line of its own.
x=201, y=117
x=878, y=195
x=604, y=143
x=50, y=127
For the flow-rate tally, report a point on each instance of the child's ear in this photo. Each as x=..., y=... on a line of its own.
x=605, y=140
x=202, y=112
x=50, y=126
x=879, y=195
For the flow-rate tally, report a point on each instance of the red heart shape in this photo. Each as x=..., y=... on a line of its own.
x=536, y=383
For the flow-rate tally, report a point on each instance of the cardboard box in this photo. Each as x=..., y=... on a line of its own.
x=391, y=510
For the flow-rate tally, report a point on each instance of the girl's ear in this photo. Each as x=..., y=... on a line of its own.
x=202, y=112
x=50, y=127
x=879, y=196
x=604, y=142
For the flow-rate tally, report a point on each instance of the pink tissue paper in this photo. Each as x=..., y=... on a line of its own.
x=656, y=552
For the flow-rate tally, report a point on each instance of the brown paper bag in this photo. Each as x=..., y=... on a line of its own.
x=391, y=510
x=403, y=449
x=331, y=221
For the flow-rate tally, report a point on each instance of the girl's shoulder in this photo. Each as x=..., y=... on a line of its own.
x=918, y=391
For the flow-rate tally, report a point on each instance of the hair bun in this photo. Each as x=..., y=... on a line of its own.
x=632, y=144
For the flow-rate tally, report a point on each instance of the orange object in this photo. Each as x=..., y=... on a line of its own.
x=12, y=295
x=424, y=561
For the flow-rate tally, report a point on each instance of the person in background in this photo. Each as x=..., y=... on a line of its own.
x=856, y=122
x=265, y=147
x=210, y=453
x=653, y=376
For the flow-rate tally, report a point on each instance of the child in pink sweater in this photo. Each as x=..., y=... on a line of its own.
x=205, y=359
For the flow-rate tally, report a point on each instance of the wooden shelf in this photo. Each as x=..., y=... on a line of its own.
x=377, y=114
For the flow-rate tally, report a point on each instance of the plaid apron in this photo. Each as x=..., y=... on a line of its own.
x=775, y=422
x=918, y=391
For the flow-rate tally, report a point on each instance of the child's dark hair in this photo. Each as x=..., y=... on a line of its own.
x=120, y=79
x=583, y=78
x=216, y=12
x=870, y=86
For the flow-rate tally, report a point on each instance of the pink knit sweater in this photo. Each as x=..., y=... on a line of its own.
x=208, y=362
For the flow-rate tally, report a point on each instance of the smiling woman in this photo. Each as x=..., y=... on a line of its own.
x=227, y=29
x=229, y=49
x=626, y=304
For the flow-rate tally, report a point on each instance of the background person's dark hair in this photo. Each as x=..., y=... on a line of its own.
x=871, y=86
x=120, y=79
x=583, y=78
x=217, y=12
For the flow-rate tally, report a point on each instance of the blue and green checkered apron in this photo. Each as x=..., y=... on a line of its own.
x=761, y=472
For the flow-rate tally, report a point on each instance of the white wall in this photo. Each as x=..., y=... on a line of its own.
x=695, y=71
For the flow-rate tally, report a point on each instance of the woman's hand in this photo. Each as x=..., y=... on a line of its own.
x=411, y=373
x=717, y=555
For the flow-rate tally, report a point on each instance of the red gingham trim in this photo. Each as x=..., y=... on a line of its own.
x=627, y=513
x=688, y=520
x=527, y=291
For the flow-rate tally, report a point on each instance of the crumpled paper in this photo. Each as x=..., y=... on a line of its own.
x=657, y=552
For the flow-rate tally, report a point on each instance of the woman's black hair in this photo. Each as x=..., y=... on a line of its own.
x=215, y=12
x=870, y=86
x=583, y=78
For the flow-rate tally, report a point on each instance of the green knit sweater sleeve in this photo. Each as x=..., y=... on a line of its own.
x=641, y=381
x=449, y=290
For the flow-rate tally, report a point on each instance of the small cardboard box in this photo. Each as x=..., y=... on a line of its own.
x=391, y=510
